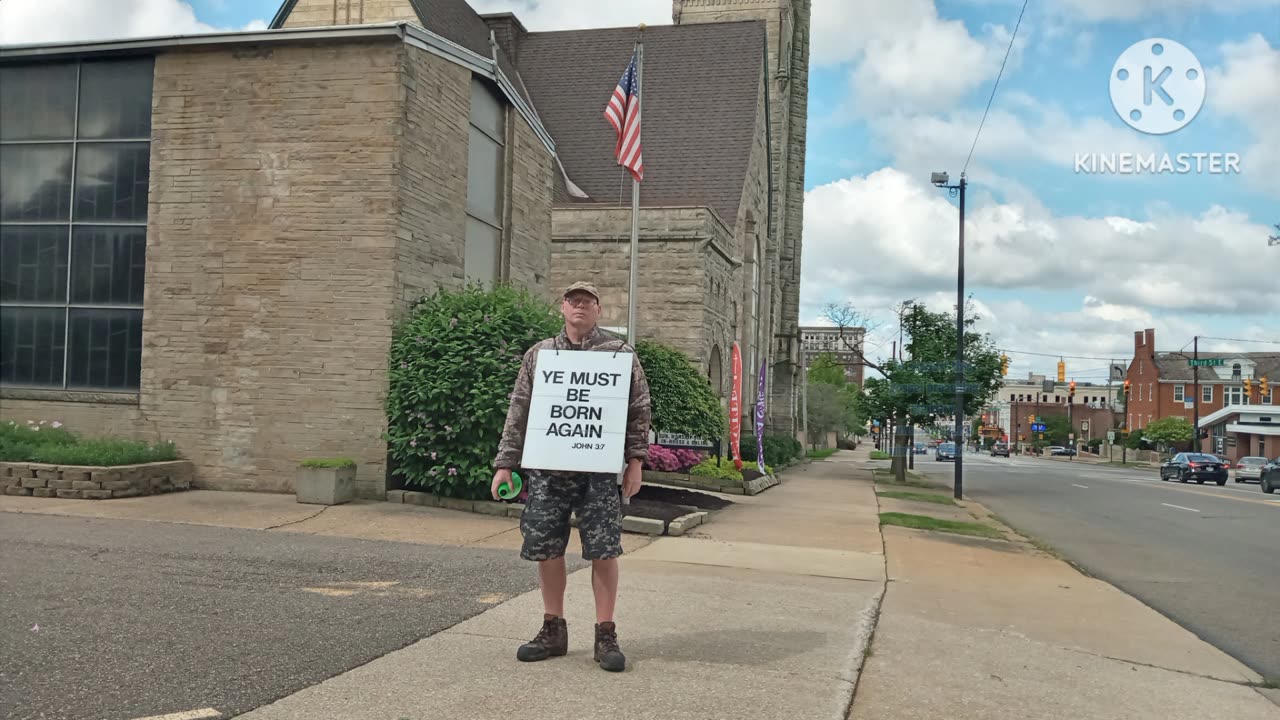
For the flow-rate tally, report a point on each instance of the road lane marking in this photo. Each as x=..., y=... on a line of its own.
x=1086, y=487
x=186, y=715
x=1180, y=507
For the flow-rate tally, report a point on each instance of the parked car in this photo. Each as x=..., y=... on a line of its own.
x=1271, y=477
x=1000, y=450
x=1195, y=466
x=945, y=451
x=1250, y=468
x=1062, y=451
x=921, y=449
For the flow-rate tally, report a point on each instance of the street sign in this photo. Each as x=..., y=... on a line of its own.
x=1071, y=436
x=1111, y=436
x=1206, y=362
x=1084, y=426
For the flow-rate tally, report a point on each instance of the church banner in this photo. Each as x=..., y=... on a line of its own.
x=760, y=417
x=735, y=408
x=578, y=411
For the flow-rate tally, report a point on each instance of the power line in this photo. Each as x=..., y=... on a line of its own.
x=993, y=88
x=1262, y=342
x=1120, y=356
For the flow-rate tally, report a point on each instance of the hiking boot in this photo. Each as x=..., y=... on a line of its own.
x=607, y=652
x=551, y=641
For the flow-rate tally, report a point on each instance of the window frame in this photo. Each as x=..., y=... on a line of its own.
x=1179, y=392
x=75, y=223
x=480, y=87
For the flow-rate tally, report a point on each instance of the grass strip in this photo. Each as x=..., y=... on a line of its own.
x=918, y=497
x=956, y=527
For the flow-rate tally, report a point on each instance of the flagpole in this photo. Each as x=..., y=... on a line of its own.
x=635, y=207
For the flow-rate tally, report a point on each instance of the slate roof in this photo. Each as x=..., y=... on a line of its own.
x=1174, y=368
x=701, y=87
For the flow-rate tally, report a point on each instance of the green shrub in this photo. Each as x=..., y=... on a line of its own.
x=821, y=453
x=453, y=364
x=879, y=455
x=682, y=400
x=779, y=450
x=725, y=470
x=104, y=452
x=337, y=462
x=53, y=444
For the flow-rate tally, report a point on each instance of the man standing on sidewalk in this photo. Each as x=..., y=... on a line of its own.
x=593, y=496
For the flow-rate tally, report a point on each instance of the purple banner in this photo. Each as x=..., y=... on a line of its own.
x=760, y=418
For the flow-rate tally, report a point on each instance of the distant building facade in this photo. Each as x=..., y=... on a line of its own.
x=846, y=345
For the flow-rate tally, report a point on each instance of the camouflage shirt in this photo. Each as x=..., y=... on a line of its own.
x=638, y=413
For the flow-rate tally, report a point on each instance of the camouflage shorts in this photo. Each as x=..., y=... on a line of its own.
x=594, y=497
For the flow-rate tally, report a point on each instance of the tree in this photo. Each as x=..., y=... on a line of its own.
x=681, y=398
x=1057, y=429
x=1169, y=431
x=826, y=369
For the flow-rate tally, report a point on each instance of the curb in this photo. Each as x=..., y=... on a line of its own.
x=631, y=524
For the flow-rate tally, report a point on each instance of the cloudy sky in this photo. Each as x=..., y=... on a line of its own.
x=1058, y=261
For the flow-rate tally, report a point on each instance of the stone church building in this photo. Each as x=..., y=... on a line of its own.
x=208, y=239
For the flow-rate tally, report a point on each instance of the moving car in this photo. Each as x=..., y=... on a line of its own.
x=1195, y=466
x=921, y=449
x=1271, y=477
x=1000, y=450
x=1250, y=468
x=945, y=451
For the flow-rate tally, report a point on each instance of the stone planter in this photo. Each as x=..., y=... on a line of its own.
x=325, y=485
x=83, y=482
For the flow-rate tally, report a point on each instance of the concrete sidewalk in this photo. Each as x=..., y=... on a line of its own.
x=763, y=613
x=974, y=629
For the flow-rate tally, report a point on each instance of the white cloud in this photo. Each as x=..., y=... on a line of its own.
x=1247, y=86
x=47, y=21
x=904, y=54
x=1104, y=10
x=541, y=15
x=890, y=233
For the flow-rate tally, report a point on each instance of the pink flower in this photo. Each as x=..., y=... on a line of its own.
x=448, y=429
x=413, y=443
x=433, y=454
x=453, y=471
x=404, y=365
x=433, y=471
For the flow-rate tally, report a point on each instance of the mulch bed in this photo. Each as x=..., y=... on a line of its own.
x=663, y=503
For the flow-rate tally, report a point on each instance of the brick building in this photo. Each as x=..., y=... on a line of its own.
x=845, y=345
x=207, y=239
x=1163, y=384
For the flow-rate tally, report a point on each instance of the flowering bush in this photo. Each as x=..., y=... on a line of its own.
x=453, y=363
x=724, y=470
x=671, y=460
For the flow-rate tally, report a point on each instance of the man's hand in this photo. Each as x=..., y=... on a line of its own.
x=631, y=478
x=500, y=478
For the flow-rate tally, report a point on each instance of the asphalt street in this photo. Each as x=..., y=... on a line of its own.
x=114, y=620
x=1207, y=557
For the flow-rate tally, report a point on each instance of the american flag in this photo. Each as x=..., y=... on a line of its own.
x=623, y=113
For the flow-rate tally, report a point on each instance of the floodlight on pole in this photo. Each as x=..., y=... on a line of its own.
x=941, y=179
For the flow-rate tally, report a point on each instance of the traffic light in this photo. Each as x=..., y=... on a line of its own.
x=1263, y=387
x=1004, y=364
x=1248, y=390
x=1031, y=419
x=1062, y=371
x=1071, y=389
x=1127, y=389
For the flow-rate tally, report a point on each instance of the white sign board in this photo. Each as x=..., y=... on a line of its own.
x=1111, y=436
x=578, y=411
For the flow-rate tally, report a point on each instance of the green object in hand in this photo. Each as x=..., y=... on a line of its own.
x=508, y=490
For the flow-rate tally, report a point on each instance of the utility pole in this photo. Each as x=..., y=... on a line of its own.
x=941, y=180
x=1195, y=376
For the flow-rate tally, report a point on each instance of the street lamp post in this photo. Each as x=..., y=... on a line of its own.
x=941, y=180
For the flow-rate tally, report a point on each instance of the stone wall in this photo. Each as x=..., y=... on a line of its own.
x=530, y=168
x=94, y=483
x=308, y=13
x=431, y=176
x=113, y=414
x=270, y=253
x=673, y=303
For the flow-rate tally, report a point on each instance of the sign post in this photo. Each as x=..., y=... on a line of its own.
x=578, y=412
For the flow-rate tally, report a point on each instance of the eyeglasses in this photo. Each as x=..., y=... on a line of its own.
x=580, y=301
